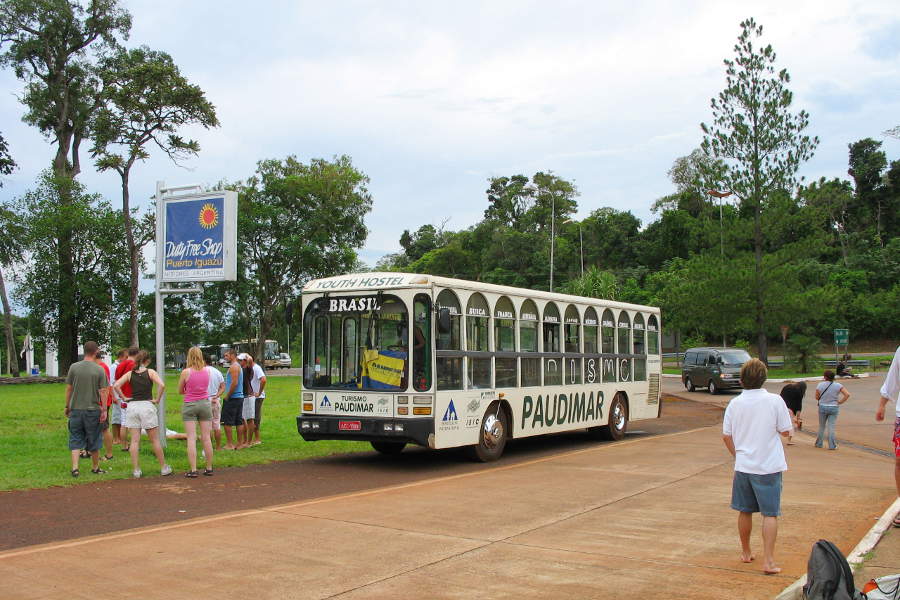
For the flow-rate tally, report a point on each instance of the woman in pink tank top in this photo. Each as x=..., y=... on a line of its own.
x=193, y=385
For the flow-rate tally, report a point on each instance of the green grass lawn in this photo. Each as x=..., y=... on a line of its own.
x=34, y=437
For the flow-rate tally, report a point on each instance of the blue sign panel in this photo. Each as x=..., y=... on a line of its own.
x=195, y=239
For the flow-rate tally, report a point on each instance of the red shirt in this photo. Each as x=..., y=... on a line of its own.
x=109, y=398
x=125, y=366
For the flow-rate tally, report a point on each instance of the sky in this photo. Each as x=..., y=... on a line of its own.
x=432, y=99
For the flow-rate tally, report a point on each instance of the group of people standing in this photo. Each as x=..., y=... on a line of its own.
x=107, y=407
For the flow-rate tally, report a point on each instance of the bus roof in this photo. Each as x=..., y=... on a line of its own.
x=370, y=282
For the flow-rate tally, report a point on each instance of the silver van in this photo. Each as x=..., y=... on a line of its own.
x=713, y=368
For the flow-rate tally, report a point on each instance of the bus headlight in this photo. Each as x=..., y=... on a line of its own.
x=422, y=400
x=304, y=425
x=421, y=410
x=398, y=426
x=402, y=410
x=307, y=397
x=388, y=426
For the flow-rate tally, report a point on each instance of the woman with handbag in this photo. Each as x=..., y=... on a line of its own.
x=830, y=395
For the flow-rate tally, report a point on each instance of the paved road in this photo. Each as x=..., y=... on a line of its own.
x=40, y=516
x=643, y=518
x=856, y=422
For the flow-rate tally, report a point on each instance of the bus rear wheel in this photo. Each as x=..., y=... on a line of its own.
x=389, y=448
x=492, y=435
x=618, y=421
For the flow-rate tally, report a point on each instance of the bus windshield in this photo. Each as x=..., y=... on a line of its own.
x=356, y=342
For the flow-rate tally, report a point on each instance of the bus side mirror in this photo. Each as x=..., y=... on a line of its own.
x=443, y=320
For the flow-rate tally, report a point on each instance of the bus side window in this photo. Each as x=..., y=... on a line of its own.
x=422, y=343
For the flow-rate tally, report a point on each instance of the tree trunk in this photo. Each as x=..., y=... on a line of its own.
x=10, y=339
x=761, y=339
x=67, y=333
x=132, y=259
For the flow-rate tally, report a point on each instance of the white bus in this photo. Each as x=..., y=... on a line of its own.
x=398, y=358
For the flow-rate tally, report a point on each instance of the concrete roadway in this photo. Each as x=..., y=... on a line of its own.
x=644, y=518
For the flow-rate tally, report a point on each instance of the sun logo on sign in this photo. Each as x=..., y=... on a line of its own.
x=209, y=216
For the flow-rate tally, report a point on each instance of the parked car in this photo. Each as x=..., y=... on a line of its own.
x=284, y=360
x=713, y=368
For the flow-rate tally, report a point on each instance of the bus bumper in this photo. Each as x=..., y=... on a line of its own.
x=415, y=431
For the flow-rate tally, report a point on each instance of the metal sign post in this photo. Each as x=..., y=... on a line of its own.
x=841, y=338
x=196, y=240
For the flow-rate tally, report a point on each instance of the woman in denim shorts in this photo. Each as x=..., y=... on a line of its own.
x=193, y=385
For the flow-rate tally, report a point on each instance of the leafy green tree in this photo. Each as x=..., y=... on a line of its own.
x=867, y=163
x=145, y=100
x=297, y=222
x=832, y=197
x=55, y=207
x=611, y=238
x=760, y=144
x=510, y=200
x=51, y=45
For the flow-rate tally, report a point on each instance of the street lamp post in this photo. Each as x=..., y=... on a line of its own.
x=552, y=235
x=720, y=196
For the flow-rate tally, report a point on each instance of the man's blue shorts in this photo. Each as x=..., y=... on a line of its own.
x=84, y=430
x=757, y=493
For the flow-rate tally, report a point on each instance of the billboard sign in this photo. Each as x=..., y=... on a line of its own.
x=841, y=337
x=199, y=237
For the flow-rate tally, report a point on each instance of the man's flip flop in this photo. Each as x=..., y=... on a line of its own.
x=897, y=521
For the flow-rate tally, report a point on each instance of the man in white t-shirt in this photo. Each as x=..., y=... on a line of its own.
x=753, y=422
x=890, y=392
x=258, y=385
x=215, y=389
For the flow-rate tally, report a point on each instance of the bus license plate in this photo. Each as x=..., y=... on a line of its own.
x=349, y=425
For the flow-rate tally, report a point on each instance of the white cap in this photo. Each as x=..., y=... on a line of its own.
x=243, y=356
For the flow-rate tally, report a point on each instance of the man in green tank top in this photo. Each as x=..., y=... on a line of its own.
x=84, y=409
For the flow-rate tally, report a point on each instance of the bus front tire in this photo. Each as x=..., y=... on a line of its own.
x=618, y=421
x=492, y=435
x=389, y=448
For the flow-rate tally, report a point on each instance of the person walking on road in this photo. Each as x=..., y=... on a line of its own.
x=890, y=392
x=792, y=393
x=234, y=400
x=830, y=395
x=193, y=384
x=85, y=409
x=753, y=422
x=141, y=413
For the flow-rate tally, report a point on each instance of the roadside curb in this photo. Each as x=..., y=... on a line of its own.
x=855, y=558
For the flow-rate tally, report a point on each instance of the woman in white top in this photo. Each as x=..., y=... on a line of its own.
x=830, y=395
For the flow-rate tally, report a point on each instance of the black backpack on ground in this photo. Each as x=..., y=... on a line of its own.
x=828, y=575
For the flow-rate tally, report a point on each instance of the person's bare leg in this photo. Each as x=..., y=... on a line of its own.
x=745, y=527
x=116, y=434
x=107, y=442
x=95, y=460
x=251, y=429
x=228, y=444
x=190, y=429
x=153, y=434
x=769, y=533
x=217, y=433
x=76, y=456
x=205, y=428
x=133, y=448
x=241, y=436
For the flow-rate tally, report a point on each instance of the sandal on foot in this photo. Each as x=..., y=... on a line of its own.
x=191, y=474
x=896, y=519
x=75, y=474
x=107, y=457
x=84, y=454
x=97, y=471
x=208, y=473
